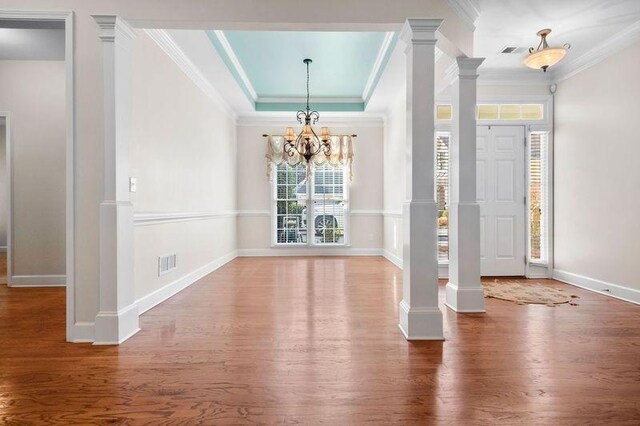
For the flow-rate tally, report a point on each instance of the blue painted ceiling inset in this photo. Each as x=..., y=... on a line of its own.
x=272, y=60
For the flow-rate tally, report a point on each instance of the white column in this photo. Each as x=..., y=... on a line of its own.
x=464, y=291
x=117, y=319
x=420, y=317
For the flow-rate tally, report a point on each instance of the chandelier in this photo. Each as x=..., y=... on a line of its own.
x=307, y=143
x=544, y=56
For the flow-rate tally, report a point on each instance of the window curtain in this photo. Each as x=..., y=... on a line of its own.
x=341, y=154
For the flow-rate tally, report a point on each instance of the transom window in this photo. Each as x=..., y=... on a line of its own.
x=320, y=199
x=495, y=112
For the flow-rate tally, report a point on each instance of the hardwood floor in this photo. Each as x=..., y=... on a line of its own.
x=316, y=341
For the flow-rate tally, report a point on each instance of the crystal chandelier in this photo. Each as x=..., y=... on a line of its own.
x=544, y=56
x=307, y=143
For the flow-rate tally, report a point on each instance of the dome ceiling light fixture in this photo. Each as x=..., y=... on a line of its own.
x=544, y=56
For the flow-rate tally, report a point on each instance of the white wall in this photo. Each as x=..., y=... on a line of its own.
x=34, y=93
x=254, y=193
x=395, y=159
x=183, y=156
x=4, y=187
x=597, y=178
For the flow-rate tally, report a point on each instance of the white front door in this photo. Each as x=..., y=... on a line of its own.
x=500, y=194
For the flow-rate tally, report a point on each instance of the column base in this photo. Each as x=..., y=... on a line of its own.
x=113, y=328
x=464, y=300
x=420, y=323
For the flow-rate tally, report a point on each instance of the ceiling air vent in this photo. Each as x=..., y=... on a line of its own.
x=508, y=49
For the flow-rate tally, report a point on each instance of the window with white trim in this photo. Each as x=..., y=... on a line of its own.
x=538, y=193
x=320, y=199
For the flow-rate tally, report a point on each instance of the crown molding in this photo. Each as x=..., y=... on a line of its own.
x=278, y=119
x=242, y=75
x=467, y=10
x=614, y=44
x=379, y=65
x=169, y=46
x=112, y=25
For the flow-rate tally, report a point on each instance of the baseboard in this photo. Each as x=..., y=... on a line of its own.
x=443, y=268
x=38, y=281
x=319, y=251
x=152, y=299
x=597, y=286
x=83, y=332
x=3, y=249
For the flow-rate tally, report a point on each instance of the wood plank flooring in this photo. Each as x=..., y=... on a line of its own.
x=316, y=341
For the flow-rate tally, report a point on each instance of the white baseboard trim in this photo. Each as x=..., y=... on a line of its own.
x=443, y=268
x=303, y=251
x=597, y=286
x=38, y=281
x=83, y=332
x=152, y=299
x=3, y=249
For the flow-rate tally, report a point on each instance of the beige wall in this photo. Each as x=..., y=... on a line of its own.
x=4, y=187
x=597, y=178
x=183, y=157
x=365, y=191
x=34, y=93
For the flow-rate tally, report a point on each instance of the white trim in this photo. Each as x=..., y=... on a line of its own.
x=9, y=168
x=467, y=10
x=160, y=295
x=375, y=70
x=312, y=100
x=3, y=249
x=83, y=332
x=224, y=42
x=68, y=18
x=284, y=119
x=366, y=212
x=392, y=214
x=513, y=77
x=156, y=218
x=309, y=251
x=171, y=48
x=254, y=213
x=608, y=47
x=37, y=280
x=614, y=290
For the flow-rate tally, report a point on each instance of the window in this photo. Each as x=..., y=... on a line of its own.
x=326, y=208
x=444, y=112
x=510, y=112
x=442, y=193
x=537, y=195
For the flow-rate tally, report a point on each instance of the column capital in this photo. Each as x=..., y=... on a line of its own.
x=468, y=67
x=111, y=26
x=420, y=30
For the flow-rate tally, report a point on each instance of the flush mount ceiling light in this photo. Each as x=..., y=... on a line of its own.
x=307, y=143
x=544, y=56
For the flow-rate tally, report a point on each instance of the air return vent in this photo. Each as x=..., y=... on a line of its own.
x=508, y=49
x=166, y=264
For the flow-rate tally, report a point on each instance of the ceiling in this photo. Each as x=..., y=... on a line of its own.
x=268, y=65
x=31, y=40
x=582, y=23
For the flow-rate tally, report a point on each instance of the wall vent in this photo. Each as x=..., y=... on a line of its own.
x=166, y=264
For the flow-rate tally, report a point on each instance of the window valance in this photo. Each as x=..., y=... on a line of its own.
x=341, y=153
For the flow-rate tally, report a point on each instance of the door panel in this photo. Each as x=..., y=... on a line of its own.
x=500, y=195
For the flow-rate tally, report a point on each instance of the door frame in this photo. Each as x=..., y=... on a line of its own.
x=68, y=18
x=532, y=269
x=9, y=184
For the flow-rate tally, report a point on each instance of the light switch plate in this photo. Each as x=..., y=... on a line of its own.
x=132, y=184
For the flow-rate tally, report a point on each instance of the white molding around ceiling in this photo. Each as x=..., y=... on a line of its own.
x=608, y=47
x=340, y=120
x=379, y=62
x=173, y=51
x=224, y=42
x=467, y=10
